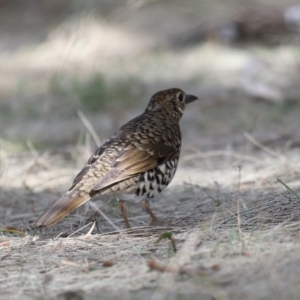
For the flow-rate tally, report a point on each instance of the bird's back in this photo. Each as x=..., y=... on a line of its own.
x=147, y=139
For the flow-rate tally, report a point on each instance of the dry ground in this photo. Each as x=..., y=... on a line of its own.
x=236, y=230
x=234, y=225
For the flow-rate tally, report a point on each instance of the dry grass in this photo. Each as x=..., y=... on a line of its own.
x=235, y=227
x=214, y=259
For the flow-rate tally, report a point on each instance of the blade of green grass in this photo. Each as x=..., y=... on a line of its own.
x=288, y=188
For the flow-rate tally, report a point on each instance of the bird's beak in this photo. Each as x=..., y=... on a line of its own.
x=190, y=98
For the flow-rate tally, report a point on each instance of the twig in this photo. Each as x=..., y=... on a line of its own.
x=155, y=264
x=89, y=127
x=93, y=205
x=239, y=203
x=70, y=263
x=259, y=145
x=91, y=230
x=80, y=229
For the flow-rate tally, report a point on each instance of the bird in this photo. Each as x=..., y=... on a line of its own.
x=135, y=164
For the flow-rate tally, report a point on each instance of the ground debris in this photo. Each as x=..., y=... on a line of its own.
x=155, y=264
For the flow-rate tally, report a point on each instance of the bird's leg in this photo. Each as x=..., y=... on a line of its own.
x=123, y=212
x=146, y=207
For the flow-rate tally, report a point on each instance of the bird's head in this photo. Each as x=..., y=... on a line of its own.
x=171, y=101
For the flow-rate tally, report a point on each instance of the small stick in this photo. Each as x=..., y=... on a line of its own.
x=239, y=203
x=94, y=206
x=155, y=264
x=259, y=145
x=89, y=127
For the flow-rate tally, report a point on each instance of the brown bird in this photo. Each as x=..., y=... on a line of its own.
x=135, y=164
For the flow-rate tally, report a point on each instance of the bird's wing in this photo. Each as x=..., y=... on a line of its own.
x=135, y=159
x=73, y=198
x=90, y=162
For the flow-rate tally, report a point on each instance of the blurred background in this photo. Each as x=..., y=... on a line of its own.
x=106, y=58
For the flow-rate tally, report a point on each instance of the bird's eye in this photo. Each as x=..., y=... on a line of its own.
x=181, y=97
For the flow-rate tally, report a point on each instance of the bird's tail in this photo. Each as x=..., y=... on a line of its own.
x=62, y=207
